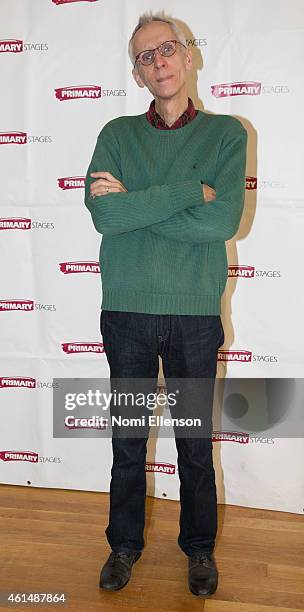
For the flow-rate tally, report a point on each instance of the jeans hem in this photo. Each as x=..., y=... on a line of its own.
x=190, y=552
x=118, y=549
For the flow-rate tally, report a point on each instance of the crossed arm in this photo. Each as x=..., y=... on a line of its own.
x=107, y=183
x=186, y=211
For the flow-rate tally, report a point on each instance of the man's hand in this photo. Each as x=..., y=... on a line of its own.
x=105, y=183
x=208, y=193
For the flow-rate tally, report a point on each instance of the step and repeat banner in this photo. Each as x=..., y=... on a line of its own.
x=65, y=72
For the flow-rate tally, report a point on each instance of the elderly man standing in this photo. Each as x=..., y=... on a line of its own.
x=166, y=190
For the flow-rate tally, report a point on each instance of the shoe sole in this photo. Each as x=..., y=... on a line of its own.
x=101, y=586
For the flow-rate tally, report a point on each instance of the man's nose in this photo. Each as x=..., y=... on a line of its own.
x=159, y=59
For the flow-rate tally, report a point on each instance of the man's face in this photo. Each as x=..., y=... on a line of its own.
x=166, y=76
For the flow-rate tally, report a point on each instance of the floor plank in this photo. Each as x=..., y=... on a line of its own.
x=53, y=540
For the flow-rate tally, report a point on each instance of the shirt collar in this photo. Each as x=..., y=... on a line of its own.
x=157, y=121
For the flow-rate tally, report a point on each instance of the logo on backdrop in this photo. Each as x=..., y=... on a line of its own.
x=45, y=225
x=13, y=138
x=26, y=382
x=22, y=223
x=242, y=271
x=71, y=348
x=77, y=92
x=270, y=184
x=275, y=89
x=18, y=223
x=251, y=182
x=49, y=459
x=164, y=468
x=261, y=440
x=23, y=138
x=268, y=274
x=245, y=357
x=25, y=305
x=251, y=272
x=246, y=88
x=9, y=455
x=241, y=356
x=19, y=382
x=76, y=267
x=71, y=182
x=242, y=88
x=40, y=139
x=92, y=92
x=70, y=1
x=11, y=45
x=14, y=45
x=265, y=358
x=107, y=93
x=239, y=437
x=230, y=436
x=48, y=307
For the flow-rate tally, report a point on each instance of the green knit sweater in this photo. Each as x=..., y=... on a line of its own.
x=163, y=248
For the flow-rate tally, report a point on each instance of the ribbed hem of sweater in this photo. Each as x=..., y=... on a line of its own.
x=160, y=303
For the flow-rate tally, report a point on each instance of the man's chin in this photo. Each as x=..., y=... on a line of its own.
x=163, y=94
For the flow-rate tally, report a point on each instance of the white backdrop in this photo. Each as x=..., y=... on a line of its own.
x=65, y=72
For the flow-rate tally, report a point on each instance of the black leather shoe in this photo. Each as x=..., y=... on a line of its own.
x=116, y=572
x=203, y=574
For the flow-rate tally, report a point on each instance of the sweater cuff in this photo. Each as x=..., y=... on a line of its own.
x=186, y=194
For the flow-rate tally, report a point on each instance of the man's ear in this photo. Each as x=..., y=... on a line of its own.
x=137, y=78
x=189, y=62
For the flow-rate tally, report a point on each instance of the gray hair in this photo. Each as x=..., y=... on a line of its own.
x=149, y=18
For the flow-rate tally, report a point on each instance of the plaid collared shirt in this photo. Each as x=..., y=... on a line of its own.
x=156, y=120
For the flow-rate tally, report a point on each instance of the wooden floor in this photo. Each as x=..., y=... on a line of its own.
x=53, y=541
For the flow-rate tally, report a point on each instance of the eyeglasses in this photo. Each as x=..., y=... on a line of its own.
x=166, y=49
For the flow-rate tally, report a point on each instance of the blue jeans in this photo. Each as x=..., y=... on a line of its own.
x=188, y=346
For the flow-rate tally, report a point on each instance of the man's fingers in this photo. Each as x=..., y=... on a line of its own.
x=104, y=192
x=104, y=183
x=104, y=175
x=209, y=193
x=103, y=186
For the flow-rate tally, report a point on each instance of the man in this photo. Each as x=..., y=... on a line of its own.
x=166, y=190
